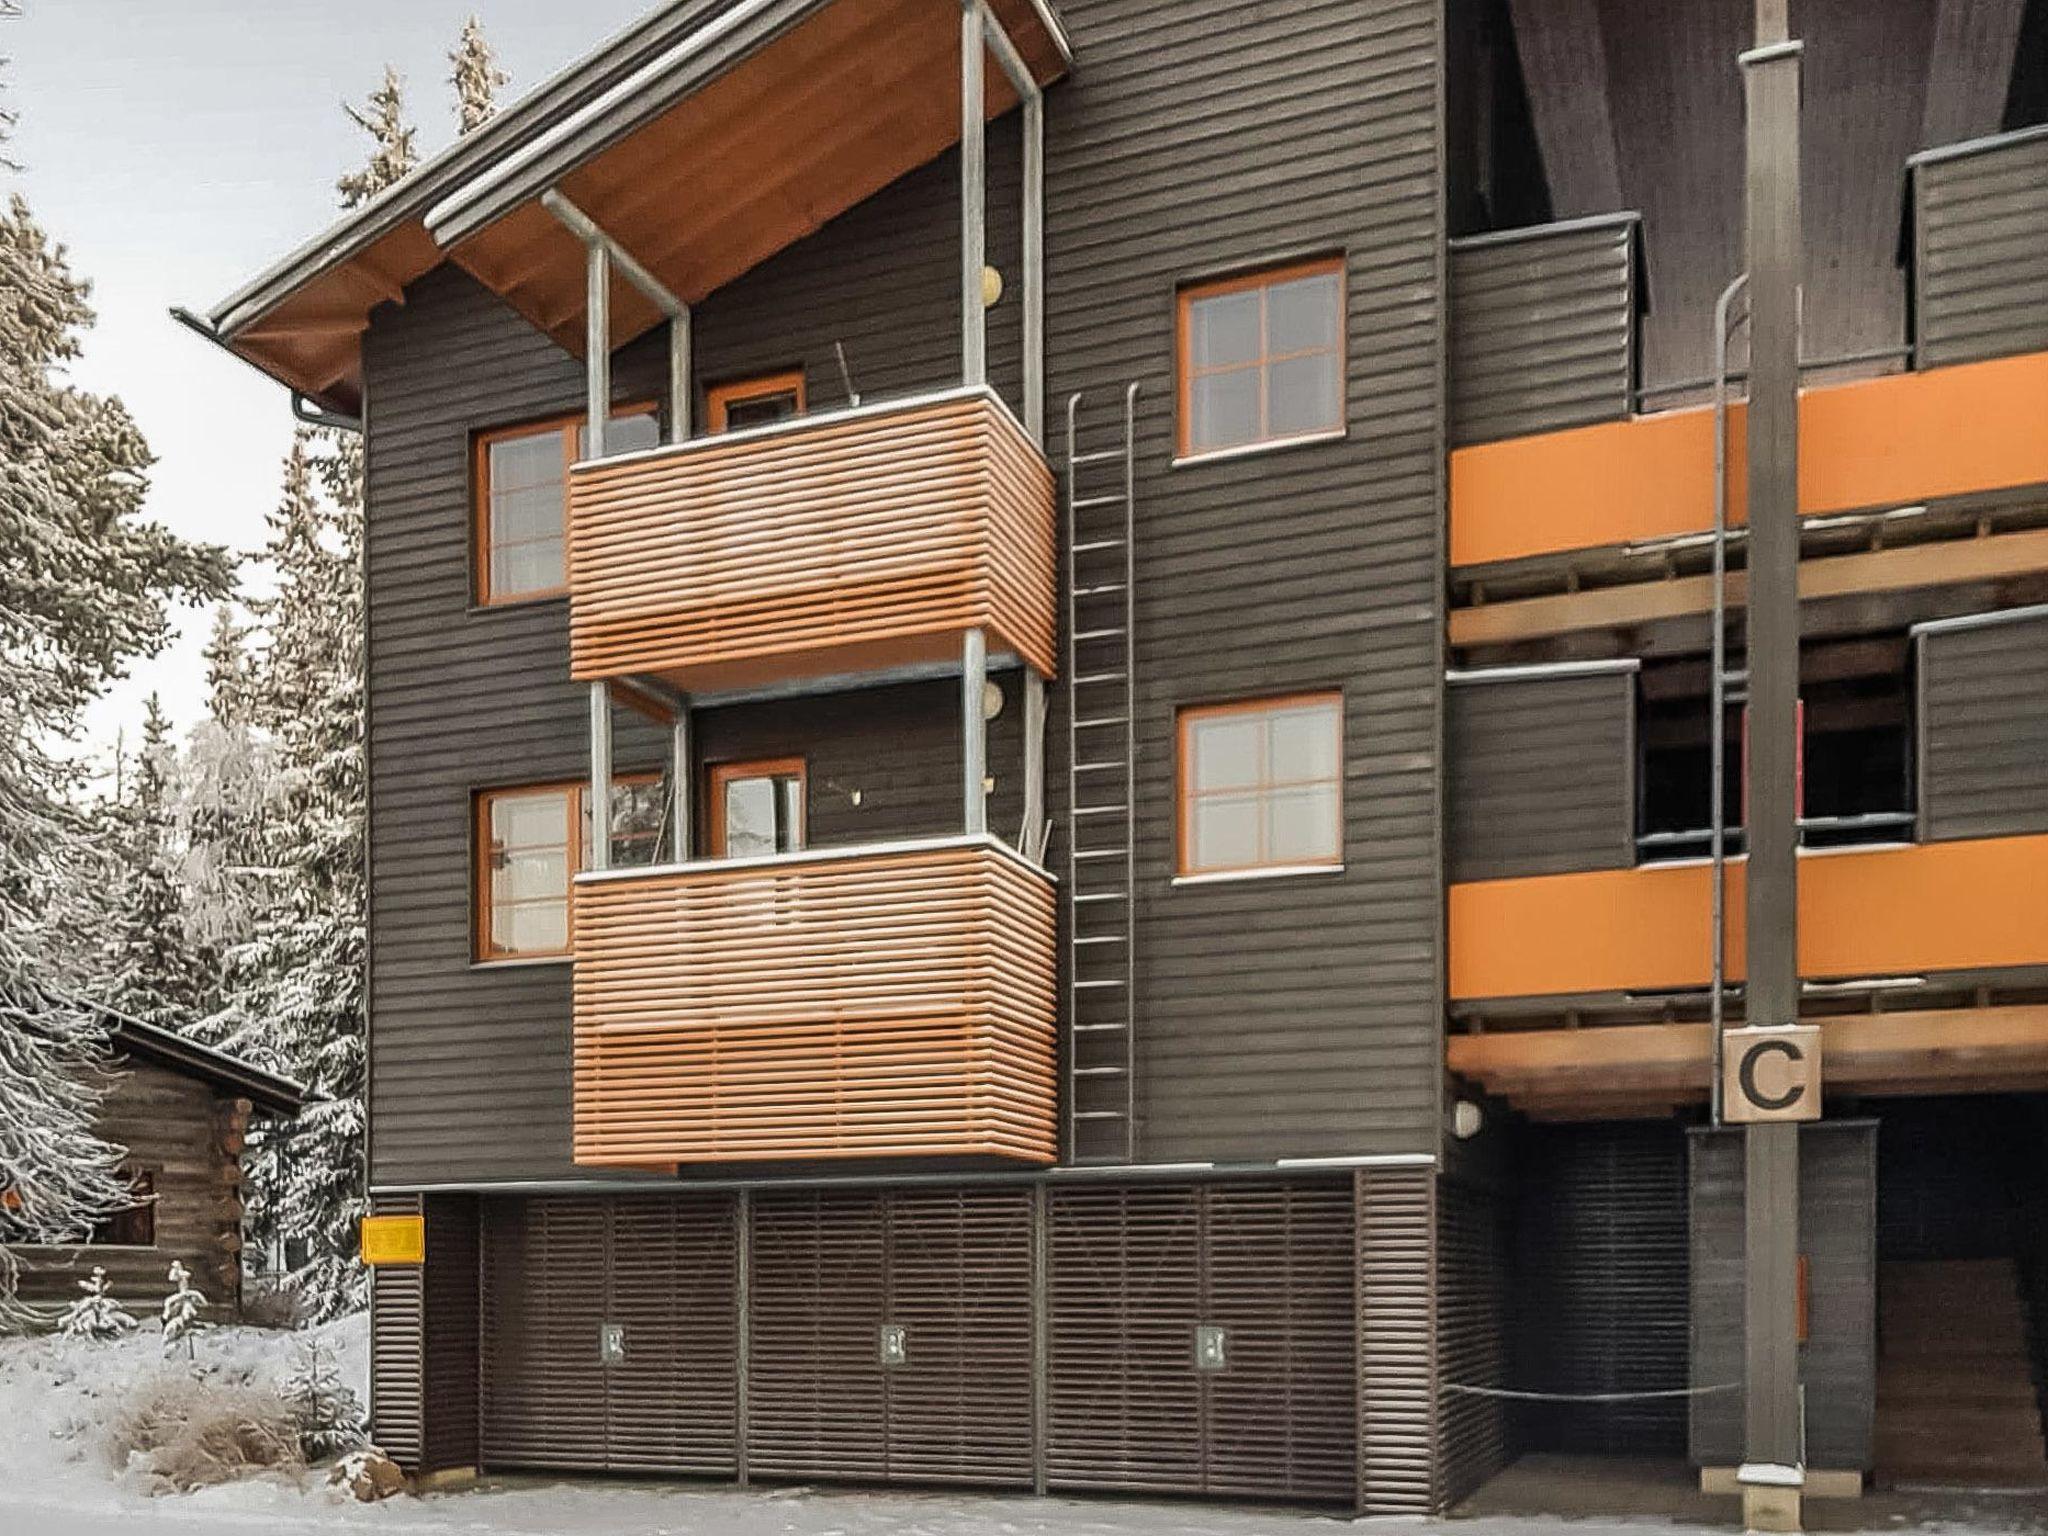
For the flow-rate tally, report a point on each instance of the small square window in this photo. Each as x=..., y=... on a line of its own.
x=757, y=808
x=756, y=402
x=1261, y=785
x=1262, y=358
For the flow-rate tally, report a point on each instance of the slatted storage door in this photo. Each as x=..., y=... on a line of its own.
x=1124, y=1406
x=817, y=1294
x=674, y=1290
x=544, y=1298
x=1135, y=1272
x=959, y=1406
x=556, y=1270
x=1277, y=1278
x=1397, y=1366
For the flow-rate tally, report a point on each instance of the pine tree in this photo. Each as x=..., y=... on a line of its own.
x=85, y=586
x=323, y=1406
x=382, y=117
x=154, y=969
x=476, y=78
x=95, y=1315
x=182, y=1309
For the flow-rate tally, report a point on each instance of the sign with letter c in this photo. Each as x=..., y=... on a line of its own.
x=1771, y=1074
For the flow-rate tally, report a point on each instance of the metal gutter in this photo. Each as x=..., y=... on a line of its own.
x=169, y=1049
x=1989, y=141
x=1979, y=620
x=1534, y=670
x=1065, y=1173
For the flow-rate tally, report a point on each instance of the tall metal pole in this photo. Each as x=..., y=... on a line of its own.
x=597, y=364
x=973, y=731
x=973, y=196
x=1772, y=1434
x=600, y=855
x=1717, y=701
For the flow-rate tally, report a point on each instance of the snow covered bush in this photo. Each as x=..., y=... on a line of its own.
x=182, y=1430
x=95, y=1315
x=182, y=1308
x=324, y=1409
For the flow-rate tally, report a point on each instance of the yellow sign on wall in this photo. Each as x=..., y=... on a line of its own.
x=394, y=1240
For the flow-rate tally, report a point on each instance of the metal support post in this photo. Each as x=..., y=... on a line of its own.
x=973, y=730
x=1772, y=1438
x=597, y=341
x=1034, y=266
x=681, y=779
x=600, y=856
x=1030, y=841
x=680, y=389
x=973, y=196
x=743, y=1347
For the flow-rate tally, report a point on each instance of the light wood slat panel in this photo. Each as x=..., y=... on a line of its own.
x=899, y=1004
x=865, y=540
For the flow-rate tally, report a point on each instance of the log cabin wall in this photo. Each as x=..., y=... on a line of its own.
x=188, y=1138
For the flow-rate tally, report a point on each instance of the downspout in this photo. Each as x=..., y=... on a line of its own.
x=304, y=407
x=1718, y=692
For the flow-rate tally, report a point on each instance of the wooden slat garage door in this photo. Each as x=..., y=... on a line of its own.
x=1135, y=1272
x=555, y=1271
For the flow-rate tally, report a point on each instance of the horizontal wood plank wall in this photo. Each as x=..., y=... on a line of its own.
x=814, y=548
x=1600, y=1287
x=397, y=1403
x=461, y=698
x=1473, y=1335
x=468, y=1065
x=1278, y=1017
x=1980, y=251
x=1543, y=328
x=176, y=1129
x=1540, y=774
x=1983, y=729
x=890, y=1005
x=1399, y=1445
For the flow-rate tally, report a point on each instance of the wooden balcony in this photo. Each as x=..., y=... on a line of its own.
x=858, y=541
x=1930, y=907
x=895, y=1001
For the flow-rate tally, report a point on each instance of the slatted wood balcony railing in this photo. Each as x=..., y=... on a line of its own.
x=894, y=1001
x=851, y=542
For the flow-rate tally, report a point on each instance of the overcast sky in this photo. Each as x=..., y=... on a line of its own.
x=177, y=147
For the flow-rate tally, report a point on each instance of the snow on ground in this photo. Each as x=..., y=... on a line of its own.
x=58, y=1396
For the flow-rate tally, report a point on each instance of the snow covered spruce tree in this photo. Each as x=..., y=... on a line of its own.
x=95, y=1314
x=382, y=117
x=154, y=971
x=85, y=584
x=476, y=78
x=183, y=1309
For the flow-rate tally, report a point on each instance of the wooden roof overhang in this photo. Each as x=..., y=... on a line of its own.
x=703, y=140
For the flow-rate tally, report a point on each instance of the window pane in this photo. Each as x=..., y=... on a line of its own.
x=1224, y=408
x=750, y=818
x=1302, y=315
x=759, y=410
x=1301, y=825
x=1224, y=330
x=1302, y=744
x=533, y=874
x=1302, y=395
x=521, y=463
x=790, y=807
x=531, y=928
x=535, y=567
x=1225, y=832
x=1226, y=752
x=624, y=434
x=528, y=821
x=638, y=812
x=521, y=515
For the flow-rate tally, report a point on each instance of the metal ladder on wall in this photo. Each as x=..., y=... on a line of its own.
x=1102, y=752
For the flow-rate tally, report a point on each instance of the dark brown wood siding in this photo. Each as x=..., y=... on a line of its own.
x=1296, y=1016
x=1540, y=773
x=180, y=1132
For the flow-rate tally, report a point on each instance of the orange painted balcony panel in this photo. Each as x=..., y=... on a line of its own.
x=840, y=543
x=1875, y=443
x=1862, y=912
x=895, y=1001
